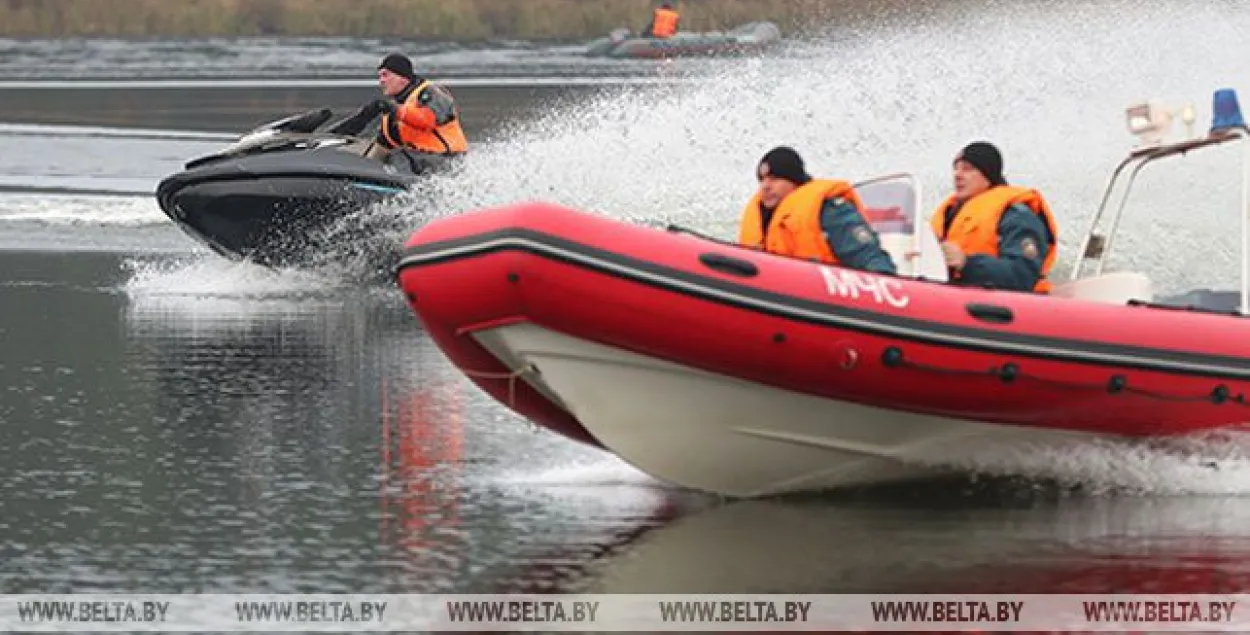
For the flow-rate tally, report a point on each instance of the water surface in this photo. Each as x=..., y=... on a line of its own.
x=170, y=421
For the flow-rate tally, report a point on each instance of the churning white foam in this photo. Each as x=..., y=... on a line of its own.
x=195, y=277
x=1211, y=464
x=1046, y=81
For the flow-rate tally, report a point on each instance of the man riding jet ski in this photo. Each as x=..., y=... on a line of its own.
x=292, y=194
x=416, y=113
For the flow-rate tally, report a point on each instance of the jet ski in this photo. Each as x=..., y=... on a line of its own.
x=284, y=193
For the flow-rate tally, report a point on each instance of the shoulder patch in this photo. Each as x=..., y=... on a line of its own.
x=862, y=234
x=1029, y=248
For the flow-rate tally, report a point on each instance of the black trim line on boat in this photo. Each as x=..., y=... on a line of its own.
x=185, y=179
x=812, y=312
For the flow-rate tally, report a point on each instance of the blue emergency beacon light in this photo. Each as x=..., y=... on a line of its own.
x=1225, y=112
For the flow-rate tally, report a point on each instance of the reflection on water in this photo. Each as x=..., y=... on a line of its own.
x=186, y=431
x=270, y=439
x=206, y=426
x=422, y=474
x=941, y=537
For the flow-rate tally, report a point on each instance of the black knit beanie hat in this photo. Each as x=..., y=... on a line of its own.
x=399, y=64
x=784, y=162
x=986, y=159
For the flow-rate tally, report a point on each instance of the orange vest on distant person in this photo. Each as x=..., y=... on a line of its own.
x=975, y=227
x=447, y=138
x=664, y=24
x=794, y=229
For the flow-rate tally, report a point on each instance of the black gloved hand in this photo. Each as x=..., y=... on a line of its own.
x=380, y=106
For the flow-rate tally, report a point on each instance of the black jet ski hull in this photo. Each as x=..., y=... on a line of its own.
x=280, y=209
x=271, y=220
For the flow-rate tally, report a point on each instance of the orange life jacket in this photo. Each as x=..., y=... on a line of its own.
x=794, y=229
x=664, y=24
x=975, y=227
x=445, y=138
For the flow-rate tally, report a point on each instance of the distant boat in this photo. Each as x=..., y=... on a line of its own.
x=747, y=38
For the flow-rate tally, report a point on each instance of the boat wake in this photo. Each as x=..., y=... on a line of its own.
x=896, y=100
x=680, y=152
x=215, y=277
x=1209, y=464
x=206, y=287
x=77, y=209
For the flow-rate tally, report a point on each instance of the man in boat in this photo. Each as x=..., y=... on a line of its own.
x=994, y=234
x=663, y=21
x=795, y=215
x=417, y=115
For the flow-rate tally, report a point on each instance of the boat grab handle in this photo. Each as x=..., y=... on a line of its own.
x=729, y=265
x=990, y=313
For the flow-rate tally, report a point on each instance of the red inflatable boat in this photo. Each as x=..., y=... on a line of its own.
x=720, y=368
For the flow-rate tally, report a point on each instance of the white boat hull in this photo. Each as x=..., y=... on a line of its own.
x=736, y=438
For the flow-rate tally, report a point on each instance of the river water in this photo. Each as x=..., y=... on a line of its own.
x=173, y=422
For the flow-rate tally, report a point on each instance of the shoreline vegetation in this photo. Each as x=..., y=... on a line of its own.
x=442, y=20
